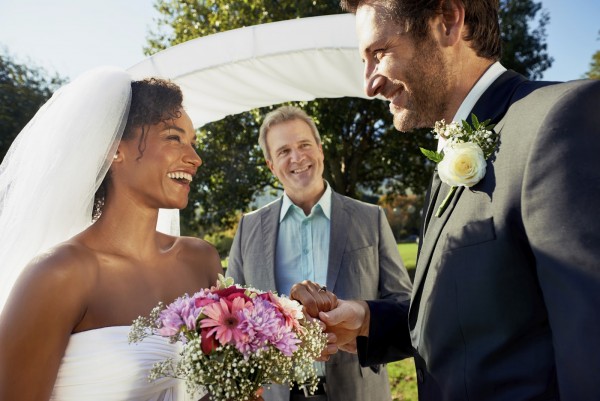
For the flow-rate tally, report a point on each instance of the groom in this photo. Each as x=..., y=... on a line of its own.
x=508, y=275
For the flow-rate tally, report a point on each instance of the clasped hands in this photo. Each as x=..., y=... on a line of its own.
x=343, y=320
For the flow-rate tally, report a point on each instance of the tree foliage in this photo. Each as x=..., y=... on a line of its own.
x=363, y=152
x=233, y=171
x=403, y=214
x=594, y=72
x=524, y=48
x=183, y=20
x=23, y=90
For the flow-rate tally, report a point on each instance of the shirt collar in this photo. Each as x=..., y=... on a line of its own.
x=324, y=203
x=488, y=78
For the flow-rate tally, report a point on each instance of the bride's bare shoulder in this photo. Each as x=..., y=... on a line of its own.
x=65, y=264
x=200, y=254
x=195, y=244
x=58, y=280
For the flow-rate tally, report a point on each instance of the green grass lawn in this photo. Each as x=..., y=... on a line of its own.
x=408, y=251
x=402, y=373
x=403, y=380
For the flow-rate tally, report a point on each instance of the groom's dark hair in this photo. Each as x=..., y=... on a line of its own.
x=481, y=19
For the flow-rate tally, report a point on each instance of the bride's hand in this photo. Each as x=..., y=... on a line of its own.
x=314, y=298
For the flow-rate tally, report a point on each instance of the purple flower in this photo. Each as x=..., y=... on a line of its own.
x=181, y=313
x=265, y=325
x=285, y=340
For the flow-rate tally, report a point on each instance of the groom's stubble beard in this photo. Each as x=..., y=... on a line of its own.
x=429, y=80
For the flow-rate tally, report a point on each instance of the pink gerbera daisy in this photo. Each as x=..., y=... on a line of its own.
x=225, y=321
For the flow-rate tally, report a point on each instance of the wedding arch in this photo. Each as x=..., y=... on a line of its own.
x=239, y=70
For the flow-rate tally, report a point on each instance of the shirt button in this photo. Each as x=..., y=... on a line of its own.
x=305, y=251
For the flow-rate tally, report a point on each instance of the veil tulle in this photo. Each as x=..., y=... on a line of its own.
x=52, y=170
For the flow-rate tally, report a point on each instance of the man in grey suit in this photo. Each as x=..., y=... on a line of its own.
x=313, y=233
x=508, y=274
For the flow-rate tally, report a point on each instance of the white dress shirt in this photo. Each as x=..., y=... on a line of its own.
x=490, y=75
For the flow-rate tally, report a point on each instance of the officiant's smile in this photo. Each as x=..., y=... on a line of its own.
x=296, y=159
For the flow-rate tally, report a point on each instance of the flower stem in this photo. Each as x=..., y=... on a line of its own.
x=445, y=202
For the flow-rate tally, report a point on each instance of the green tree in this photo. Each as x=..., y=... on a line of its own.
x=23, y=89
x=403, y=214
x=363, y=152
x=594, y=72
x=524, y=48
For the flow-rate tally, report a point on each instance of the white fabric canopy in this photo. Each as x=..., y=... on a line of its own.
x=239, y=70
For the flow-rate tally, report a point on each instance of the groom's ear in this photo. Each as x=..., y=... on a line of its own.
x=449, y=26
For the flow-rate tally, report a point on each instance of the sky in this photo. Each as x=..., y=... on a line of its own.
x=68, y=37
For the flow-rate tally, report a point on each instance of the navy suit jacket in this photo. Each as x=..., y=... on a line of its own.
x=507, y=287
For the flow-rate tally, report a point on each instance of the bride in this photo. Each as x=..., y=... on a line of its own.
x=124, y=149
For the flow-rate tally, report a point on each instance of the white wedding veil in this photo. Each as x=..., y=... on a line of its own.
x=55, y=165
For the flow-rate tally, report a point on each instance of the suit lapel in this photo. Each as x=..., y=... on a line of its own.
x=270, y=228
x=430, y=239
x=492, y=104
x=337, y=238
x=430, y=200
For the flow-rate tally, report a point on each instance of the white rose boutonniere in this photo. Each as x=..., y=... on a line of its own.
x=463, y=165
x=462, y=162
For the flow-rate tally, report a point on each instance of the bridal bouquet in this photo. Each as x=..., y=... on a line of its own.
x=235, y=340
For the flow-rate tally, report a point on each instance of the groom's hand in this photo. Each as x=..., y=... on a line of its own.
x=347, y=321
x=344, y=320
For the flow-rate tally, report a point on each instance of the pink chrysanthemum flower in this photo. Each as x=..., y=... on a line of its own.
x=225, y=320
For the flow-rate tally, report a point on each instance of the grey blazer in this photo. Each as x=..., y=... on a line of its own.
x=364, y=263
x=507, y=287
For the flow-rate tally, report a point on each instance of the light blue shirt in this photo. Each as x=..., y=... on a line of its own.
x=302, y=243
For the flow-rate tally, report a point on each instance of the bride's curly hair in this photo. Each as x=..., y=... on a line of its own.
x=153, y=100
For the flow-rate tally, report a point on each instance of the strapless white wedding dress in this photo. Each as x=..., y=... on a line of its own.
x=101, y=365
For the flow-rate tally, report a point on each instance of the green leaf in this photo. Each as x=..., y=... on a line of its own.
x=467, y=128
x=431, y=155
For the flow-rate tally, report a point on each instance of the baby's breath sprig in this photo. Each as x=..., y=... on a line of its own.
x=144, y=326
